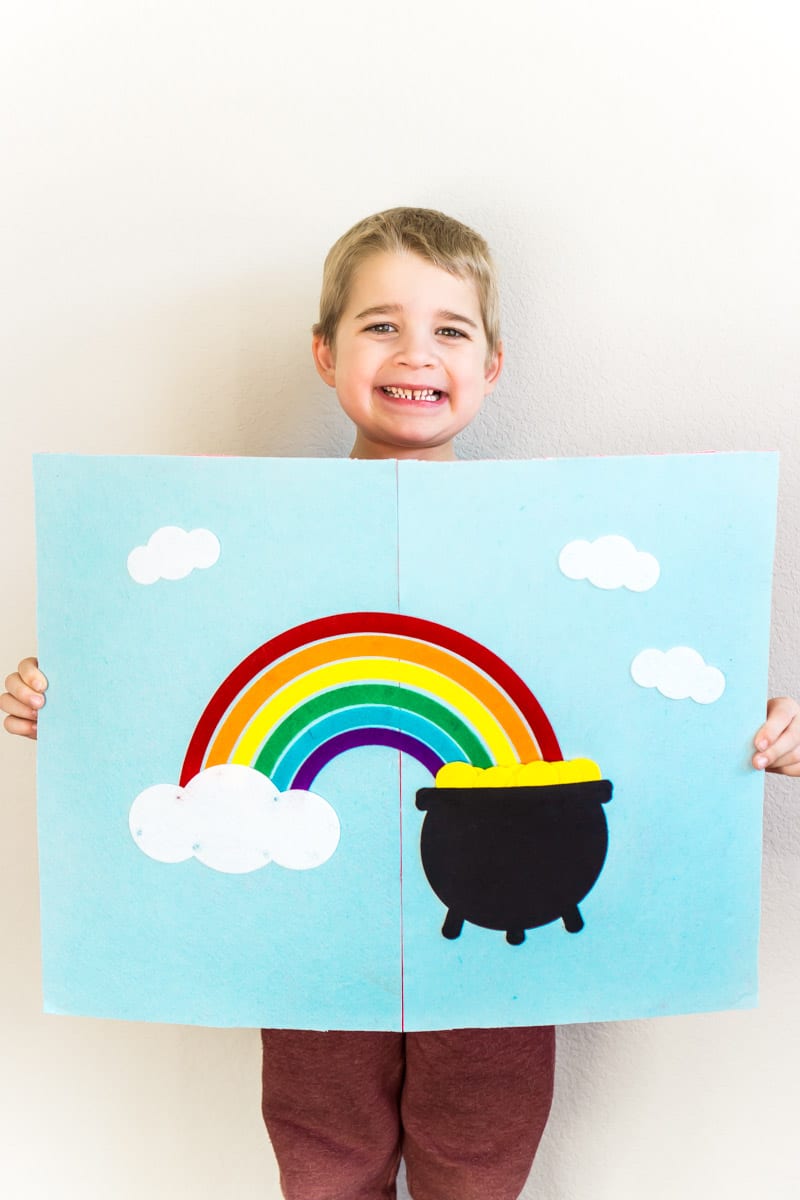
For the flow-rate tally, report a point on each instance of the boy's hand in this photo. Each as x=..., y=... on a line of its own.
x=23, y=697
x=777, y=742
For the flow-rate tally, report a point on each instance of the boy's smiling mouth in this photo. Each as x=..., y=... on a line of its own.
x=418, y=395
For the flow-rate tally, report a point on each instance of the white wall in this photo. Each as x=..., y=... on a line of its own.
x=173, y=173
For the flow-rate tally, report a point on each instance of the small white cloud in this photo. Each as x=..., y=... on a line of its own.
x=610, y=562
x=679, y=674
x=304, y=832
x=234, y=819
x=173, y=553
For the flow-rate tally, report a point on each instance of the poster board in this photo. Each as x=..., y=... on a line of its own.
x=258, y=667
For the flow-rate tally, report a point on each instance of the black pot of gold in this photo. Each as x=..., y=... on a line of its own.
x=514, y=857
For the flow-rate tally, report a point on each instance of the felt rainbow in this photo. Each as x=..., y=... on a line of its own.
x=366, y=678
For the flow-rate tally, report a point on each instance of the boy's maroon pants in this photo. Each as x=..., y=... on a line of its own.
x=465, y=1107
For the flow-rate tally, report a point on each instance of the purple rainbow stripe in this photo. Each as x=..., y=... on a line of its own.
x=364, y=737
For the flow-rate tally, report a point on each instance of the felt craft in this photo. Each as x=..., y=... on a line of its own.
x=400, y=745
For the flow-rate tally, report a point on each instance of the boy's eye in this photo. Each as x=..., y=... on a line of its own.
x=452, y=333
x=381, y=327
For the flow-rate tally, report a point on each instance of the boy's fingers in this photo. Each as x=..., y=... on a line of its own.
x=783, y=752
x=17, y=708
x=20, y=727
x=16, y=689
x=781, y=711
x=789, y=765
x=784, y=756
x=30, y=674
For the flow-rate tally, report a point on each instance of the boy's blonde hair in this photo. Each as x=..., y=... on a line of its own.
x=432, y=235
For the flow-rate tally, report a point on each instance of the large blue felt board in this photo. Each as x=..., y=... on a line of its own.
x=672, y=923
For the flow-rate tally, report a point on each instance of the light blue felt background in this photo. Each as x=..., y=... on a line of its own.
x=671, y=925
x=131, y=669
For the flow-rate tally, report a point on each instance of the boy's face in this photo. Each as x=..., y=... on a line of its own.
x=410, y=361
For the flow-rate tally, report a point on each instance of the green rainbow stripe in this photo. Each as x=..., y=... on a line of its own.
x=390, y=694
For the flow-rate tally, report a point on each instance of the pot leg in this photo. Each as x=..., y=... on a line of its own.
x=515, y=937
x=453, y=924
x=573, y=921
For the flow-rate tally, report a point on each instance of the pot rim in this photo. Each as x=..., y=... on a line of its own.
x=596, y=790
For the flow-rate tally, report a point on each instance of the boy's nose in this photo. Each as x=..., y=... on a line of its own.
x=415, y=351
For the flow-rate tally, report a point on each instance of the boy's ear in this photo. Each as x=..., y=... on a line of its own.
x=493, y=369
x=324, y=359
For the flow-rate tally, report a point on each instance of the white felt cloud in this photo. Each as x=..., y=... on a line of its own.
x=610, y=562
x=173, y=553
x=679, y=674
x=234, y=819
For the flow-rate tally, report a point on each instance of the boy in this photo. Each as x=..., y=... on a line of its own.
x=409, y=337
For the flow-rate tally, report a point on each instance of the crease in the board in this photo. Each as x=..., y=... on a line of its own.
x=400, y=763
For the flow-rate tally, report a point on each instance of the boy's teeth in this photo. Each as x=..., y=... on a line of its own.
x=412, y=393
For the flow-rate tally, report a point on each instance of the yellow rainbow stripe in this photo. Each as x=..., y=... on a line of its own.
x=485, y=723
x=366, y=657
